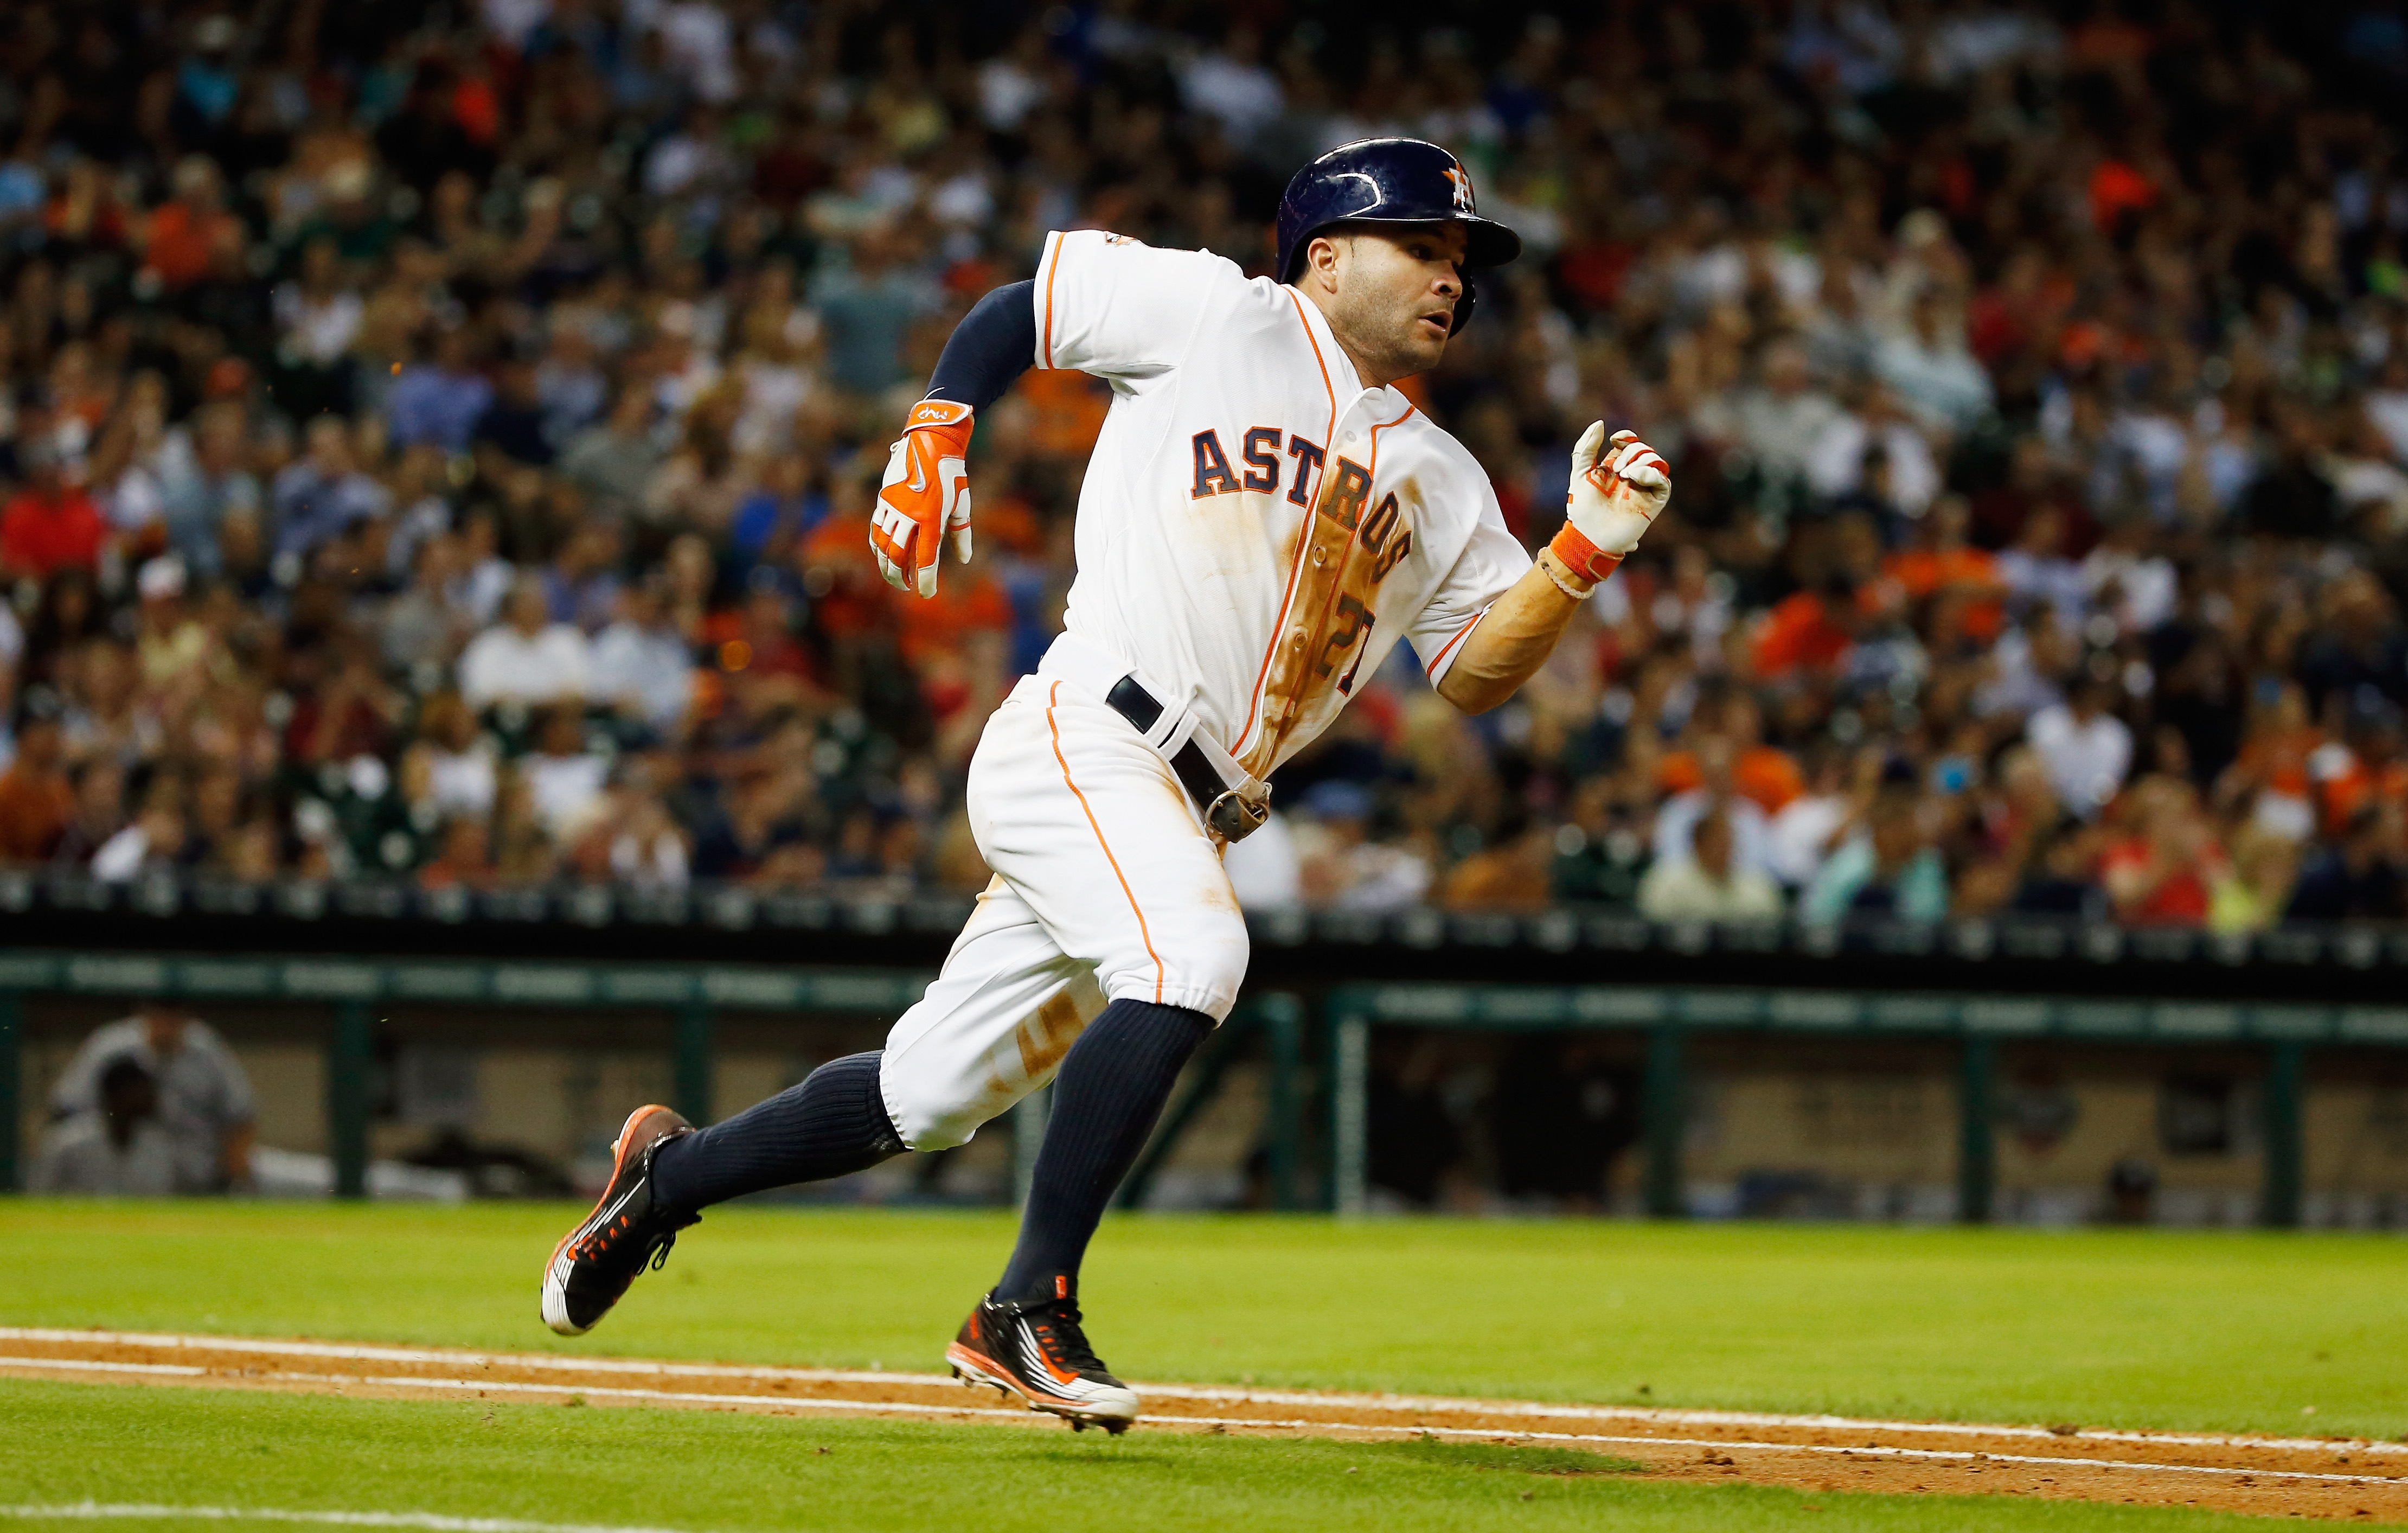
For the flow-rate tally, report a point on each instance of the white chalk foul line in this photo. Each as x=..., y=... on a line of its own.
x=904, y=1407
x=433, y=1521
x=1391, y=1404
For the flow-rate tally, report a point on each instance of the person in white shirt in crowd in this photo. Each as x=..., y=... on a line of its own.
x=565, y=776
x=484, y=578
x=646, y=846
x=1811, y=825
x=1709, y=883
x=317, y=317
x=118, y=1149
x=203, y=1097
x=425, y=626
x=1231, y=85
x=463, y=768
x=1678, y=815
x=1785, y=417
x=1837, y=468
x=2085, y=748
x=2134, y=586
x=640, y=662
x=526, y=658
x=1930, y=369
x=2034, y=567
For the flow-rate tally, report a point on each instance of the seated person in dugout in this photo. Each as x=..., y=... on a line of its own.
x=118, y=1149
x=203, y=1097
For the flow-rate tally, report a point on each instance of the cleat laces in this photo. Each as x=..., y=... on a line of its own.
x=1064, y=1343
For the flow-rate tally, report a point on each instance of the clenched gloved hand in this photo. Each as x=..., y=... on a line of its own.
x=924, y=501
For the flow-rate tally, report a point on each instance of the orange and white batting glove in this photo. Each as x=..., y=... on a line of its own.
x=924, y=502
x=1619, y=488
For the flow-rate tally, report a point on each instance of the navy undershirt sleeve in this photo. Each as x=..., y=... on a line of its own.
x=995, y=343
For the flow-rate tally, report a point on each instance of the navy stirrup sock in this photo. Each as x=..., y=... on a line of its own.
x=1110, y=1090
x=832, y=1124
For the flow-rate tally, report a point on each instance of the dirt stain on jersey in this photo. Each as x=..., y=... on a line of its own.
x=1046, y=1034
x=1353, y=542
x=1038, y=1044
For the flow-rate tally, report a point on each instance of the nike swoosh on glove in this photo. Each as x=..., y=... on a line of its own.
x=1619, y=488
x=924, y=501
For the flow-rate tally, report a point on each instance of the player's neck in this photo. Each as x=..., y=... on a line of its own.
x=1373, y=374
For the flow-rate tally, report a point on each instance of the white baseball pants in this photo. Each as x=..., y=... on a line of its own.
x=1106, y=888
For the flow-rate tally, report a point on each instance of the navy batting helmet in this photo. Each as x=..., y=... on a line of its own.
x=1390, y=180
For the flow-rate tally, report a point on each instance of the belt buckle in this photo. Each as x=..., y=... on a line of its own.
x=1234, y=817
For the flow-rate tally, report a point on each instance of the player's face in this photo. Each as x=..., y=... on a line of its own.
x=1396, y=293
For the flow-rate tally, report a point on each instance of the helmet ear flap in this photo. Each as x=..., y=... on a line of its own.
x=1464, y=305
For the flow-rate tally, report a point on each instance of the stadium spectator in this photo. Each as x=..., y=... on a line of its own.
x=203, y=1097
x=1709, y=883
x=325, y=494
x=50, y=524
x=2028, y=431
x=2361, y=877
x=36, y=801
x=1889, y=867
x=116, y=1150
x=439, y=399
x=526, y=658
x=2085, y=747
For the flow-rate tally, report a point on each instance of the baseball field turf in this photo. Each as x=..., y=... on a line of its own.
x=2298, y=1335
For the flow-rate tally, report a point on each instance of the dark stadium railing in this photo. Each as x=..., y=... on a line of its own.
x=729, y=922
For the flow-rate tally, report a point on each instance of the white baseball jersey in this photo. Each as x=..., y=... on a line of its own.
x=1257, y=528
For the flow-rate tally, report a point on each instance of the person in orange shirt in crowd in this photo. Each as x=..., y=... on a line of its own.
x=1943, y=563
x=182, y=232
x=1765, y=775
x=848, y=594
x=50, y=524
x=2371, y=769
x=37, y=802
x=1812, y=631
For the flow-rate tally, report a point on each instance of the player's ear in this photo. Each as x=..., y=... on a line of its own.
x=1321, y=257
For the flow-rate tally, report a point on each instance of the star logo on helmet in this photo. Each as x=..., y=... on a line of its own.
x=1462, y=183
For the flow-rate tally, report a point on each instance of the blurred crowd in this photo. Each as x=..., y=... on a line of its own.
x=437, y=440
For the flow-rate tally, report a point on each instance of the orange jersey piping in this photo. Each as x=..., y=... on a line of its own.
x=1303, y=533
x=1448, y=648
x=1052, y=265
x=1052, y=696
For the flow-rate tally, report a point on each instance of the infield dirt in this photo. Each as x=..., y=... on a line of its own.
x=2339, y=1479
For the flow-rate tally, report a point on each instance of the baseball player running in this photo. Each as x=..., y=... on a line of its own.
x=1265, y=516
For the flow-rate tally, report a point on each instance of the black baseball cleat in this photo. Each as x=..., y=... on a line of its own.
x=593, y=1264
x=1038, y=1352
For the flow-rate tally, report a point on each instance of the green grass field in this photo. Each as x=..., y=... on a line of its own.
x=2145, y=1329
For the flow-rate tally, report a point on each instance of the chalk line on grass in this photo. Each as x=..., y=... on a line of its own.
x=1393, y=1404
x=434, y=1522
x=905, y=1408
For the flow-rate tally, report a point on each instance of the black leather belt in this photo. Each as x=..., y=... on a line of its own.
x=1222, y=807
